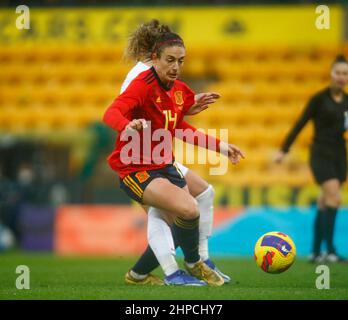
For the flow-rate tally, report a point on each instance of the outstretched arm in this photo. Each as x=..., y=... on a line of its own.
x=306, y=115
x=193, y=136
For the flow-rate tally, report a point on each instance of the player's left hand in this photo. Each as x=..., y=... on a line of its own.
x=202, y=102
x=232, y=152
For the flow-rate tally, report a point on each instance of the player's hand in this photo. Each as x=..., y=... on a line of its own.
x=232, y=152
x=279, y=157
x=202, y=102
x=136, y=125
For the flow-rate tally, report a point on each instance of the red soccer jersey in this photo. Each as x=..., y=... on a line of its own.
x=147, y=98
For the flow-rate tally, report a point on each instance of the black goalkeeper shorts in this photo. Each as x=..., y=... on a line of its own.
x=328, y=163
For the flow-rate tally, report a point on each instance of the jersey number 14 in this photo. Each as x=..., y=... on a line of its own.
x=170, y=117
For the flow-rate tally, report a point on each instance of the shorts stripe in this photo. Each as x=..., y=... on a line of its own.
x=132, y=188
x=130, y=180
x=179, y=171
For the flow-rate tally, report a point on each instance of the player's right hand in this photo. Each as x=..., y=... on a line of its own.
x=136, y=124
x=279, y=157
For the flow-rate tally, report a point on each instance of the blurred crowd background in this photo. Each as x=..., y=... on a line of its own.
x=265, y=58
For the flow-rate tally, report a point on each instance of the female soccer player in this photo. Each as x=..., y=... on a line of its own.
x=157, y=96
x=140, y=46
x=329, y=111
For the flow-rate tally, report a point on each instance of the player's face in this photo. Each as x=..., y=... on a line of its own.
x=168, y=65
x=339, y=75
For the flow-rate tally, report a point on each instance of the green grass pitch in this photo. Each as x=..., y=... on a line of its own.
x=53, y=277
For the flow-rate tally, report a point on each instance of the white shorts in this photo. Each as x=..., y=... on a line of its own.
x=182, y=168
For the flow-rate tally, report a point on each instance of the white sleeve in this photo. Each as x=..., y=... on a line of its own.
x=135, y=71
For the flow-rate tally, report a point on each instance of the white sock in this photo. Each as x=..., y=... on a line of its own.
x=161, y=241
x=137, y=275
x=206, y=209
x=190, y=264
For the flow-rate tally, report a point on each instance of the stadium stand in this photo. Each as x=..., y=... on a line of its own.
x=263, y=90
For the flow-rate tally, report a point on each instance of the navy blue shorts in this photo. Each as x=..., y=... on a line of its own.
x=135, y=183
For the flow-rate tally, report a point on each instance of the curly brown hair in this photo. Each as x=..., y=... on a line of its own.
x=142, y=41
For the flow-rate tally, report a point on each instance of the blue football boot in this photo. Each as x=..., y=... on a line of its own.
x=212, y=265
x=181, y=278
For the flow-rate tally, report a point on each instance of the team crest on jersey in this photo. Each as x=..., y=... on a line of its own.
x=178, y=97
x=142, y=176
x=158, y=100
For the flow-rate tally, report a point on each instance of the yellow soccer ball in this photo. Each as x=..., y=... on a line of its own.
x=274, y=252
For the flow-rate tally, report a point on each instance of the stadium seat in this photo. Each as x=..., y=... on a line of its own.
x=263, y=91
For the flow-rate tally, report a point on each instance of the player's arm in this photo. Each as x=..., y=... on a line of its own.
x=196, y=103
x=133, y=97
x=199, y=138
x=306, y=115
x=190, y=134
